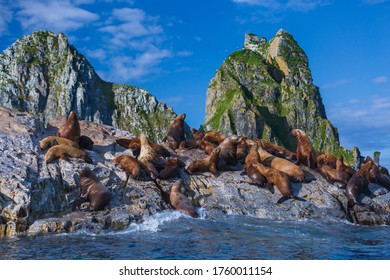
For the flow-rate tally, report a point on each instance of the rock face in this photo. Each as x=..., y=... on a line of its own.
x=36, y=197
x=44, y=75
x=264, y=91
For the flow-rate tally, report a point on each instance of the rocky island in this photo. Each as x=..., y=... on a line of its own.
x=261, y=92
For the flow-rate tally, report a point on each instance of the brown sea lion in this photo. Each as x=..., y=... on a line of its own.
x=179, y=201
x=85, y=142
x=194, y=143
x=168, y=168
x=384, y=180
x=160, y=150
x=281, y=164
x=98, y=195
x=278, y=151
x=358, y=184
x=340, y=165
x=330, y=173
x=134, y=144
x=64, y=151
x=208, y=164
x=305, y=150
x=50, y=141
x=146, y=154
x=243, y=149
x=176, y=132
x=228, y=151
x=279, y=179
x=125, y=142
x=214, y=137
x=129, y=164
x=250, y=160
x=207, y=146
x=71, y=128
x=384, y=170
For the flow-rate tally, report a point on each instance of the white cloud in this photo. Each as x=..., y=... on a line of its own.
x=335, y=84
x=380, y=80
x=54, y=15
x=184, y=53
x=136, y=44
x=127, y=68
x=173, y=100
x=296, y=5
x=128, y=23
x=5, y=16
x=373, y=2
x=365, y=124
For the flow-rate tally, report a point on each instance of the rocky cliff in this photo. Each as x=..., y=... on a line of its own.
x=38, y=197
x=265, y=90
x=44, y=75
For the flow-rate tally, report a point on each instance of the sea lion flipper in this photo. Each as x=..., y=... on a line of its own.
x=282, y=199
x=270, y=188
x=298, y=198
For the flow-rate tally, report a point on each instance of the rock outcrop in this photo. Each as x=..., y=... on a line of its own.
x=44, y=75
x=36, y=197
x=265, y=90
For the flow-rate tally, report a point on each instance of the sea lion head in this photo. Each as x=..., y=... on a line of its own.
x=176, y=187
x=49, y=156
x=181, y=117
x=143, y=139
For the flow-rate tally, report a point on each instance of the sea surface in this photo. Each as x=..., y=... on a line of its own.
x=174, y=235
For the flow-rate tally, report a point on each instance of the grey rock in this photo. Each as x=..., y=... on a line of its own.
x=264, y=91
x=44, y=75
x=36, y=197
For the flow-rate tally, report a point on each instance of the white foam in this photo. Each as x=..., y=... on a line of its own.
x=154, y=223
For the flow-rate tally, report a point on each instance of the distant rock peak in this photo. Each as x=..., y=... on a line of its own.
x=44, y=75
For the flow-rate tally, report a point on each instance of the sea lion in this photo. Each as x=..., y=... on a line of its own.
x=228, y=151
x=340, y=165
x=176, y=132
x=207, y=146
x=64, y=151
x=305, y=150
x=252, y=172
x=168, y=168
x=160, y=150
x=330, y=173
x=129, y=164
x=279, y=179
x=51, y=141
x=195, y=143
x=179, y=201
x=384, y=170
x=243, y=149
x=71, y=128
x=281, y=164
x=278, y=151
x=134, y=144
x=358, y=184
x=93, y=190
x=384, y=180
x=208, y=164
x=214, y=137
x=85, y=142
x=147, y=153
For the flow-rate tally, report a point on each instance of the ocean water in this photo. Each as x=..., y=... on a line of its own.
x=174, y=235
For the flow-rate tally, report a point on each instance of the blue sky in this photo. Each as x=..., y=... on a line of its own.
x=172, y=48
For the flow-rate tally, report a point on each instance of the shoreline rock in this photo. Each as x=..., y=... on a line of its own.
x=36, y=197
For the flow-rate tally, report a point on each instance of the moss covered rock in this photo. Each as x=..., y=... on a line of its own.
x=265, y=90
x=44, y=75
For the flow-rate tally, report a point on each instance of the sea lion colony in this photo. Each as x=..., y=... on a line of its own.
x=265, y=163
